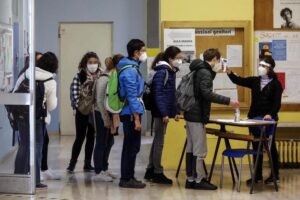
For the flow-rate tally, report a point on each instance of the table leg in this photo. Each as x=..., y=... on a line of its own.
x=271, y=165
x=214, y=159
x=262, y=132
x=181, y=158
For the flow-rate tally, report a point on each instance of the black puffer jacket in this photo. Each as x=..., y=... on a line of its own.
x=263, y=102
x=203, y=89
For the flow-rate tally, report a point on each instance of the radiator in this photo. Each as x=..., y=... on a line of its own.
x=288, y=152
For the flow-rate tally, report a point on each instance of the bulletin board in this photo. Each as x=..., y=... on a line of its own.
x=241, y=38
x=285, y=45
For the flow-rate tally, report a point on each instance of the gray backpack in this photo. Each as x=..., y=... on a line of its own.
x=185, y=97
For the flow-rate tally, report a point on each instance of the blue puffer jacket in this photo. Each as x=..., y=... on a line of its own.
x=131, y=87
x=164, y=95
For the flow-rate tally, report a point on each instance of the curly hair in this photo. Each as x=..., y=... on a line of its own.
x=282, y=12
x=83, y=63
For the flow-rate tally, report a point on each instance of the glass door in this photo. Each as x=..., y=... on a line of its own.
x=17, y=97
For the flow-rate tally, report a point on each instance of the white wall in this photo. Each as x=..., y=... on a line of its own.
x=128, y=17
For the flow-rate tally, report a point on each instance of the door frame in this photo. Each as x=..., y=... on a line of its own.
x=24, y=184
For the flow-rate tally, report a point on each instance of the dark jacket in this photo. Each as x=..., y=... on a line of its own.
x=263, y=102
x=203, y=89
x=164, y=95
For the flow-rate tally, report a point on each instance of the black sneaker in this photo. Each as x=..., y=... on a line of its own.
x=41, y=186
x=149, y=175
x=257, y=180
x=70, y=169
x=162, y=179
x=204, y=185
x=189, y=184
x=132, y=183
x=88, y=168
x=269, y=180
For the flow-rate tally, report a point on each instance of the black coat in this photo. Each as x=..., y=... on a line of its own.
x=263, y=102
x=203, y=90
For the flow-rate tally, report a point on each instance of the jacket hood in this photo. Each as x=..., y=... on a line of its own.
x=198, y=64
x=127, y=61
x=164, y=65
x=40, y=74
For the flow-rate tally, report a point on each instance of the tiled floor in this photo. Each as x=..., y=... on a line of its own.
x=80, y=186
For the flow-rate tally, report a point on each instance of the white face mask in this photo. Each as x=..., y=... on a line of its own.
x=92, y=67
x=217, y=67
x=143, y=57
x=177, y=63
x=262, y=71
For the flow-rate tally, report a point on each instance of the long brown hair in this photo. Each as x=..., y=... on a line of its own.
x=83, y=63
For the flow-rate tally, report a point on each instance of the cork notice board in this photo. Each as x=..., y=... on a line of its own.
x=241, y=37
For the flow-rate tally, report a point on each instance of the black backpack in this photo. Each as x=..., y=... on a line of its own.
x=21, y=112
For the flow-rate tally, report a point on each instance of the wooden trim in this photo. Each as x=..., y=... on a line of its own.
x=246, y=25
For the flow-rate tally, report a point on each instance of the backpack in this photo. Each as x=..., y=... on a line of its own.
x=148, y=97
x=87, y=96
x=185, y=97
x=114, y=103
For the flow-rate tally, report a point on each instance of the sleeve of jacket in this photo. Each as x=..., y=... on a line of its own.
x=75, y=91
x=51, y=97
x=100, y=99
x=205, y=82
x=130, y=81
x=246, y=82
x=158, y=92
x=277, y=100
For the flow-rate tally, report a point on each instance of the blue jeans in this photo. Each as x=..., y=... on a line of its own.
x=131, y=147
x=23, y=154
x=104, y=143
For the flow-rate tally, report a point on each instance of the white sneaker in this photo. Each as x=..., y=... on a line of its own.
x=42, y=176
x=50, y=175
x=111, y=174
x=103, y=177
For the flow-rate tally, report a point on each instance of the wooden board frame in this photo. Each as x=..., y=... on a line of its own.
x=245, y=25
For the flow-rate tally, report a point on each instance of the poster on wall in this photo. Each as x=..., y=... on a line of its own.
x=6, y=58
x=286, y=14
x=285, y=48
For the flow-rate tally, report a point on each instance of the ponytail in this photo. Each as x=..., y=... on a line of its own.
x=158, y=58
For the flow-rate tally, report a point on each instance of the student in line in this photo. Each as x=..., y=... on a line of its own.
x=104, y=124
x=163, y=87
x=198, y=116
x=45, y=68
x=131, y=90
x=266, y=93
x=89, y=70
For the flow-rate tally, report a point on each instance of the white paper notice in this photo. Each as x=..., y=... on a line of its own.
x=235, y=55
x=223, y=82
x=182, y=38
x=231, y=93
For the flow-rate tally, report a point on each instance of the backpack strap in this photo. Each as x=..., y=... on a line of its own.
x=49, y=79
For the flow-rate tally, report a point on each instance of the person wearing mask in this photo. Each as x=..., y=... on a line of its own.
x=45, y=69
x=198, y=116
x=131, y=86
x=104, y=124
x=89, y=70
x=163, y=87
x=266, y=93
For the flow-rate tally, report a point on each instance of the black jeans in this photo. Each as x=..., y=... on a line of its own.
x=83, y=129
x=44, y=166
x=131, y=147
x=274, y=155
x=104, y=143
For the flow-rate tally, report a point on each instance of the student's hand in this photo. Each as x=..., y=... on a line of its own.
x=138, y=125
x=267, y=117
x=166, y=119
x=234, y=103
x=177, y=118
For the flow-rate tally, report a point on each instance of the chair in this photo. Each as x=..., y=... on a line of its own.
x=240, y=153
